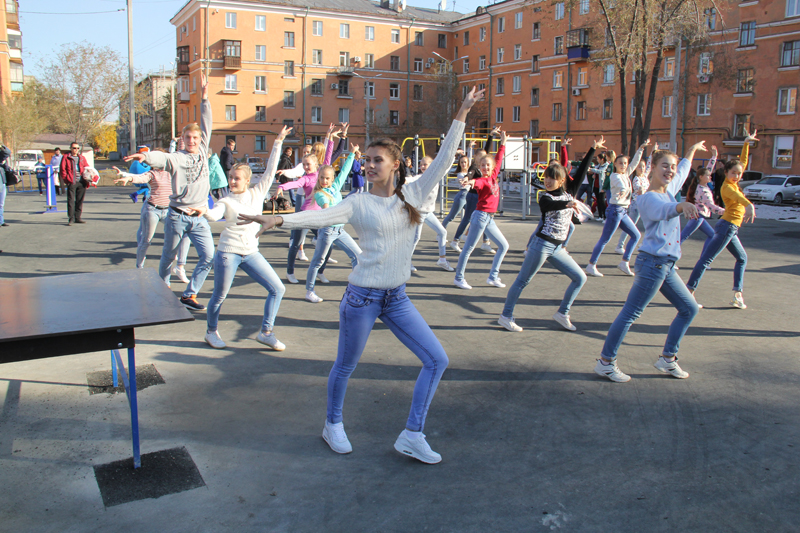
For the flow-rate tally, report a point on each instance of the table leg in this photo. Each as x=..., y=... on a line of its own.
x=114, y=377
x=129, y=383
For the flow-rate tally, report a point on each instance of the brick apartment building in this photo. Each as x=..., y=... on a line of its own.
x=311, y=62
x=11, y=71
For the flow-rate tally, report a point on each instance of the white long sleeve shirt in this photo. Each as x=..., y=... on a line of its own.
x=662, y=223
x=621, y=187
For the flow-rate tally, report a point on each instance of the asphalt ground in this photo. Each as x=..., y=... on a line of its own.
x=531, y=438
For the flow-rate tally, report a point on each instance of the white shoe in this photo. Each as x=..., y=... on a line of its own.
x=418, y=448
x=214, y=340
x=619, y=250
x=564, y=320
x=180, y=272
x=738, y=301
x=271, y=341
x=592, y=271
x=444, y=265
x=301, y=256
x=509, y=324
x=312, y=297
x=625, y=267
x=332, y=261
x=336, y=438
x=454, y=245
x=413, y=268
x=486, y=247
x=495, y=282
x=291, y=278
x=671, y=367
x=321, y=278
x=462, y=284
x=611, y=371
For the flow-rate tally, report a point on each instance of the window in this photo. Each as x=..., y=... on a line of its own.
x=417, y=92
x=706, y=63
x=230, y=82
x=583, y=76
x=745, y=80
x=466, y=65
x=369, y=60
x=261, y=52
x=556, y=112
x=466, y=38
x=608, y=73
x=558, y=45
x=580, y=111
x=344, y=31
x=792, y=8
x=633, y=107
x=517, y=51
x=344, y=88
x=516, y=85
x=747, y=34
x=464, y=91
x=609, y=37
x=442, y=41
x=261, y=113
x=535, y=63
x=289, y=123
x=482, y=63
x=394, y=63
x=482, y=34
x=515, y=113
x=261, y=23
x=230, y=112
x=740, y=123
x=498, y=115
x=369, y=33
x=369, y=89
x=369, y=117
x=344, y=59
x=669, y=68
x=288, y=39
x=557, y=79
x=501, y=24
x=344, y=114
x=419, y=39
x=316, y=28
x=537, y=33
x=481, y=87
x=703, y=105
x=288, y=99
x=230, y=20
x=261, y=84
x=233, y=48
x=666, y=107
x=711, y=18
x=288, y=68
x=394, y=118
x=289, y=20
x=316, y=87
x=787, y=101
x=395, y=36
x=500, y=53
x=783, y=151
x=501, y=86
x=533, y=129
x=316, y=57
x=608, y=106
x=394, y=91
x=559, y=11
x=791, y=54
x=534, y=97
x=417, y=64
x=261, y=143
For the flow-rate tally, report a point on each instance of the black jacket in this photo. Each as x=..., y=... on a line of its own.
x=226, y=159
x=285, y=163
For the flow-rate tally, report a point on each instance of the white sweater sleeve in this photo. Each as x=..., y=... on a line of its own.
x=417, y=192
x=216, y=212
x=338, y=214
x=294, y=173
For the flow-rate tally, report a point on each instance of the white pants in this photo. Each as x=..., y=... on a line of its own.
x=441, y=233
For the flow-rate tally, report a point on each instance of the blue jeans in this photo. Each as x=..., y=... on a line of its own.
x=225, y=267
x=176, y=226
x=3, y=193
x=616, y=217
x=147, y=229
x=42, y=184
x=471, y=204
x=459, y=201
x=653, y=274
x=725, y=236
x=539, y=251
x=325, y=238
x=695, y=224
x=541, y=223
x=633, y=213
x=481, y=222
x=585, y=189
x=358, y=311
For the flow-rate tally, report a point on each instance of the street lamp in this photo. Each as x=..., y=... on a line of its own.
x=448, y=61
x=366, y=97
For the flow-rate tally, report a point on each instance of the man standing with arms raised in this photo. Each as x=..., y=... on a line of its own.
x=188, y=201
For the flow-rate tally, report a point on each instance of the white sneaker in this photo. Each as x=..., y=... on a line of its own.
x=301, y=256
x=495, y=282
x=611, y=371
x=413, y=268
x=180, y=272
x=418, y=448
x=271, y=341
x=444, y=265
x=738, y=301
x=592, y=271
x=454, y=245
x=332, y=261
x=462, y=284
x=625, y=267
x=321, y=278
x=336, y=438
x=486, y=247
x=671, y=367
x=509, y=324
x=312, y=297
x=291, y=278
x=564, y=320
x=214, y=340
x=619, y=250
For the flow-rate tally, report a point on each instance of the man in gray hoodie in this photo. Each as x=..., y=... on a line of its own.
x=188, y=201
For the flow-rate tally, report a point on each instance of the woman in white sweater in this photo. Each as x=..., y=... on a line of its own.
x=386, y=220
x=238, y=247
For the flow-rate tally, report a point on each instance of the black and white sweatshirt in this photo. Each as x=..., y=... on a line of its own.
x=556, y=216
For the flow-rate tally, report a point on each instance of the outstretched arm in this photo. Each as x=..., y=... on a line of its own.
x=261, y=188
x=341, y=178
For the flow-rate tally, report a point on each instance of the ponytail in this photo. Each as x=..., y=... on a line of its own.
x=414, y=217
x=693, y=188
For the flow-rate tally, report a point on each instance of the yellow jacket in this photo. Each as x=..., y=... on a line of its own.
x=732, y=195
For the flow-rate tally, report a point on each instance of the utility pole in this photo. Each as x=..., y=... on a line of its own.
x=676, y=83
x=172, y=97
x=367, y=97
x=131, y=119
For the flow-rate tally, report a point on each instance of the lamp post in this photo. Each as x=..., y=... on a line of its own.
x=366, y=97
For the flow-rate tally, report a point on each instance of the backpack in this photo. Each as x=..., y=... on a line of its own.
x=278, y=204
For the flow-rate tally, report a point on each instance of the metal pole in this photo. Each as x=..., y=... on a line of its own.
x=366, y=126
x=524, y=189
x=673, y=121
x=132, y=118
x=172, y=99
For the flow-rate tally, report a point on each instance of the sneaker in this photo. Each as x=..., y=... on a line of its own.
x=564, y=320
x=462, y=284
x=611, y=371
x=301, y=256
x=592, y=271
x=486, y=247
x=321, y=278
x=413, y=268
x=738, y=301
x=291, y=278
x=444, y=265
x=619, y=250
x=509, y=324
x=214, y=340
x=418, y=448
x=336, y=438
x=180, y=272
x=454, y=245
x=495, y=283
x=332, y=261
x=625, y=267
x=271, y=341
x=312, y=297
x=190, y=302
x=670, y=367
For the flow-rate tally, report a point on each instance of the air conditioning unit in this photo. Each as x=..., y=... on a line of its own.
x=334, y=85
x=431, y=60
x=576, y=92
x=703, y=78
x=357, y=59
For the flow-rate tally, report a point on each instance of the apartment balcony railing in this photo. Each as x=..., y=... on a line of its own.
x=578, y=44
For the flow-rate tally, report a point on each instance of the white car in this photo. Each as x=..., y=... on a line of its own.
x=775, y=189
x=256, y=165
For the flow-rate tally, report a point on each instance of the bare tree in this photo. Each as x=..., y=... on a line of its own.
x=20, y=120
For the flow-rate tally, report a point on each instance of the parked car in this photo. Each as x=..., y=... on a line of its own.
x=26, y=159
x=775, y=189
x=256, y=164
x=750, y=177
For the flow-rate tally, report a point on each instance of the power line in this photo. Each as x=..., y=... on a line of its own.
x=79, y=13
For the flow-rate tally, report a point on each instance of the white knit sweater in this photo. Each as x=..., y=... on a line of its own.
x=237, y=239
x=385, y=234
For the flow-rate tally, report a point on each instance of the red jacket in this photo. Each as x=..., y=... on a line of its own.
x=68, y=168
x=488, y=188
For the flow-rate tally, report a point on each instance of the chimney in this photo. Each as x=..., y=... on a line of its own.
x=397, y=6
x=385, y=4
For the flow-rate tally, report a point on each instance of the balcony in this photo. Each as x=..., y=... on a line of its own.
x=233, y=62
x=578, y=44
x=183, y=60
x=345, y=71
x=233, y=55
x=183, y=96
x=183, y=68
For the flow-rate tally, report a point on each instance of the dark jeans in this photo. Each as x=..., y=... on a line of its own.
x=75, y=193
x=601, y=202
x=220, y=193
x=472, y=203
x=42, y=184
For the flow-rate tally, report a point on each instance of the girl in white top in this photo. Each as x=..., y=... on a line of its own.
x=238, y=247
x=386, y=219
x=460, y=199
x=640, y=182
x=430, y=219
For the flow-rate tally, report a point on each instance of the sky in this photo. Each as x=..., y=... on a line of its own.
x=47, y=25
